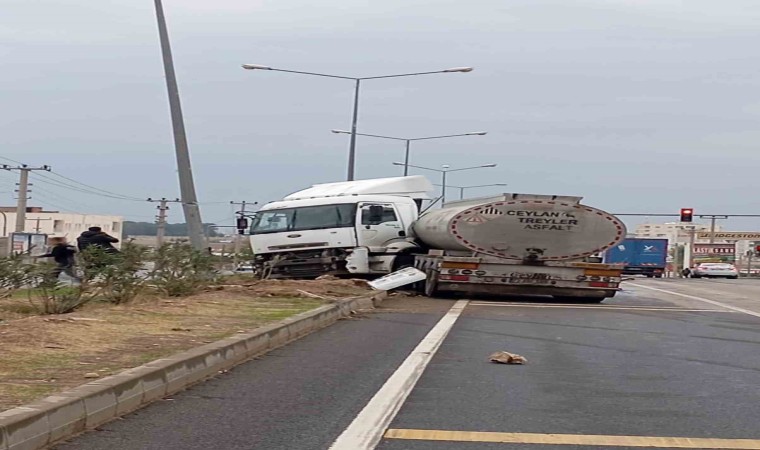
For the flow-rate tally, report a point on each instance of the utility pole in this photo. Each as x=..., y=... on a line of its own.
x=712, y=218
x=676, y=251
x=240, y=214
x=161, y=218
x=186, y=184
x=749, y=262
x=23, y=192
x=693, y=231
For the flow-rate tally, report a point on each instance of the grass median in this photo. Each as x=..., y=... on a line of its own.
x=41, y=355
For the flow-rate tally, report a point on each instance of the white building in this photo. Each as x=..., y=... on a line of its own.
x=59, y=224
x=674, y=232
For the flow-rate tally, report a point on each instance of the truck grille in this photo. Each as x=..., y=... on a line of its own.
x=295, y=246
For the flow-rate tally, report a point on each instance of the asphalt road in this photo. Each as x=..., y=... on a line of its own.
x=665, y=358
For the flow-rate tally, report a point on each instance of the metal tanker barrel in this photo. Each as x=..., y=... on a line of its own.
x=522, y=227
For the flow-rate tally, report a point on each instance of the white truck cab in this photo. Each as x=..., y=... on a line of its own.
x=313, y=232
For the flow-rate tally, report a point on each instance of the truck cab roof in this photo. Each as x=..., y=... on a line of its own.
x=298, y=203
x=416, y=187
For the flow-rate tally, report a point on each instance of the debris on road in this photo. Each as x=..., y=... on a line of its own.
x=92, y=375
x=507, y=358
x=397, y=279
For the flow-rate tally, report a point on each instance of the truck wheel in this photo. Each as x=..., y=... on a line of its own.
x=431, y=283
x=402, y=262
x=659, y=275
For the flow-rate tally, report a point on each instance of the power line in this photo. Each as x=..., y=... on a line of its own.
x=99, y=192
x=85, y=188
x=37, y=190
x=93, y=187
x=63, y=185
x=12, y=160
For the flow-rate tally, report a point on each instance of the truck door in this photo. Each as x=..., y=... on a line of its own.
x=378, y=224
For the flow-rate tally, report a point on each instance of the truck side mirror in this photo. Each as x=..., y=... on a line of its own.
x=375, y=214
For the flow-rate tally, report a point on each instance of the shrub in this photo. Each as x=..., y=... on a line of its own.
x=180, y=270
x=49, y=295
x=15, y=274
x=119, y=277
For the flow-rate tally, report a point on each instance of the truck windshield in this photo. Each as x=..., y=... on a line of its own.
x=304, y=218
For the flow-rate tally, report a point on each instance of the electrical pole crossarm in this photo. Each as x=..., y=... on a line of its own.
x=23, y=192
x=161, y=218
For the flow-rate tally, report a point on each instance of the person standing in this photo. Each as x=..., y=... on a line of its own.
x=63, y=255
x=94, y=236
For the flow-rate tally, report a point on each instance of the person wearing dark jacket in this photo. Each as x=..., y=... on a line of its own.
x=96, y=237
x=63, y=255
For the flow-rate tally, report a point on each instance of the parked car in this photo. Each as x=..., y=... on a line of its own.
x=715, y=270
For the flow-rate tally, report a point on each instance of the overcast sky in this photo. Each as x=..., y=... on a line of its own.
x=636, y=105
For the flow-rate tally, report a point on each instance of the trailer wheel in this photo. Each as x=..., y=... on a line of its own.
x=431, y=283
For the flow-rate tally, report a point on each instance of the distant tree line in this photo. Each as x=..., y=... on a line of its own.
x=172, y=229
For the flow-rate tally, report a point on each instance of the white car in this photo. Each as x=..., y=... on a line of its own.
x=715, y=270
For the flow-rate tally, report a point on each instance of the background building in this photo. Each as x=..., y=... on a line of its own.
x=59, y=224
x=674, y=232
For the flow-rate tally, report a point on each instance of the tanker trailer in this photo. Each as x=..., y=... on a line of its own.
x=519, y=244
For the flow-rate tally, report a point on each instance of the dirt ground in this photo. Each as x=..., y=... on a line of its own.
x=41, y=355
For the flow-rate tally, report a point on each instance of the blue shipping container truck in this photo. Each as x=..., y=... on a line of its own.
x=640, y=256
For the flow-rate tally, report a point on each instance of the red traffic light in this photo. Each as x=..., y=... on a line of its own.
x=687, y=214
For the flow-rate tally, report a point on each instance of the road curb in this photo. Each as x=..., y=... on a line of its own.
x=63, y=415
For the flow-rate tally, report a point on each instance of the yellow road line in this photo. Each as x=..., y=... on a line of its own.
x=572, y=439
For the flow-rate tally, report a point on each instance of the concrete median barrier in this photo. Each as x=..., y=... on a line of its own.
x=49, y=420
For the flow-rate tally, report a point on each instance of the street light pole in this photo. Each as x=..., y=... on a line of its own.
x=352, y=146
x=355, y=116
x=406, y=158
x=445, y=170
x=443, y=187
x=462, y=188
x=409, y=140
x=184, y=170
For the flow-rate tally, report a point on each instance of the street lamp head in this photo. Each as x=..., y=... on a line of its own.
x=488, y=165
x=398, y=164
x=459, y=69
x=256, y=66
x=478, y=133
x=341, y=131
x=445, y=166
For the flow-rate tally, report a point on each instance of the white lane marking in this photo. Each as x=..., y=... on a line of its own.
x=706, y=300
x=634, y=308
x=367, y=428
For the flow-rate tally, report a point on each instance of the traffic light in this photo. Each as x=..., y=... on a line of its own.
x=242, y=225
x=687, y=214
